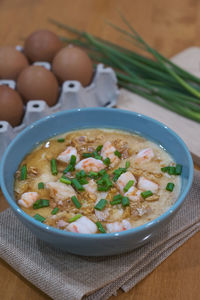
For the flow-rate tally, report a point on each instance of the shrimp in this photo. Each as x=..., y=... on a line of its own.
x=45, y=177
x=91, y=187
x=28, y=199
x=118, y=226
x=108, y=150
x=82, y=225
x=60, y=191
x=61, y=223
x=133, y=194
x=144, y=210
x=124, y=179
x=90, y=164
x=65, y=156
x=144, y=155
x=145, y=185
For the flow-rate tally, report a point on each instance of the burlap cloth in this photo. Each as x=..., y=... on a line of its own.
x=66, y=276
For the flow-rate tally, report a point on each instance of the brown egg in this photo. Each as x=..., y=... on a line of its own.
x=42, y=45
x=72, y=63
x=11, y=106
x=38, y=83
x=12, y=62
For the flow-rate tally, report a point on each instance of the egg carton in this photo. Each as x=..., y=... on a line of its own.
x=102, y=92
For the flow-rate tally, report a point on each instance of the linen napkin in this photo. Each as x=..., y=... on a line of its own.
x=65, y=276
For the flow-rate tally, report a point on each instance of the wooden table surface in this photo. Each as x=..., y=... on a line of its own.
x=169, y=26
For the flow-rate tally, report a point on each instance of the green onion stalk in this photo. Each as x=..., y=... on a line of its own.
x=155, y=78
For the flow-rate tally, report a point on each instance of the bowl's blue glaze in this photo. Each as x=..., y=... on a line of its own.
x=95, y=244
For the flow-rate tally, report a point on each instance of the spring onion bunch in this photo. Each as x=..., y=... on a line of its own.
x=157, y=79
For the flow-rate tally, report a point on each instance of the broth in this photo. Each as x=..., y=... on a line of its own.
x=96, y=181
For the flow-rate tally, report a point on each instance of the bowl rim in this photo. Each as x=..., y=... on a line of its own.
x=63, y=233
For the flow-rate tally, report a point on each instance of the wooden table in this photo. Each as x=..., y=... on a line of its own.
x=169, y=26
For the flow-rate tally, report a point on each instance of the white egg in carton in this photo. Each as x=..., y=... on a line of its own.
x=102, y=91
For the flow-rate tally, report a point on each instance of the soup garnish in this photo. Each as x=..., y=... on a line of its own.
x=97, y=181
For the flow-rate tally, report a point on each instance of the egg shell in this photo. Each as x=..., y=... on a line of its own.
x=38, y=83
x=11, y=106
x=72, y=63
x=103, y=91
x=12, y=62
x=42, y=45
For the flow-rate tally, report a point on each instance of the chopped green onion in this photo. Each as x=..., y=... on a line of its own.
x=54, y=170
x=125, y=201
x=100, y=227
x=102, y=172
x=115, y=177
x=72, y=160
x=117, y=173
x=102, y=188
x=118, y=196
x=65, y=180
x=23, y=174
x=116, y=201
x=104, y=184
x=55, y=211
x=165, y=169
x=94, y=154
x=146, y=194
x=101, y=182
x=77, y=185
x=86, y=155
x=68, y=169
x=39, y=218
x=76, y=202
x=106, y=161
x=83, y=181
x=99, y=148
x=97, y=156
x=170, y=186
x=103, y=179
x=178, y=170
x=41, y=203
x=128, y=185
x=93, y=175
x=71, y=165
x=60, y=140
x=40, y=185
x=117, y=153
x=81, y=174
x=127, y=165
x=76, y=217
x=171, y=170
x=101, y=204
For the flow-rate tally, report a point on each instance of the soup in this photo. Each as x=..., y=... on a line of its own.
x=97, y=181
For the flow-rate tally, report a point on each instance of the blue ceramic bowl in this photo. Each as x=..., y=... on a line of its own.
x=94, y=244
